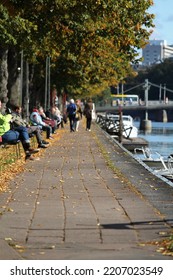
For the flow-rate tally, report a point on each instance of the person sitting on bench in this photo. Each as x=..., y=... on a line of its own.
x=36, y=120
x=18, y=121
x=10, y=136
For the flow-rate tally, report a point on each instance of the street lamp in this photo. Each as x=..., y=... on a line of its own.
x=21, y=77
x=146, y=124
x=146, y=88
x=47, y=84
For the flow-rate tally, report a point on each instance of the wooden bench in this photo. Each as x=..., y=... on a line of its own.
x=15, y=144
x=9, y=153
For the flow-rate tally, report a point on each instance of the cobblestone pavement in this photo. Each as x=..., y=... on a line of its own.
x=85, y=198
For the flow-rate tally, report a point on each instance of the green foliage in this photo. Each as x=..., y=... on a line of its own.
x=15, y=30
x=91, y=43
x=5, y=26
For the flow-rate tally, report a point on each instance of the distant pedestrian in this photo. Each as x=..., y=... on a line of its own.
x=88, y=114
x=78, y=116
x=71, y=113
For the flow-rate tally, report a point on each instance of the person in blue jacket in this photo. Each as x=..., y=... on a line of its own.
x=71, y=112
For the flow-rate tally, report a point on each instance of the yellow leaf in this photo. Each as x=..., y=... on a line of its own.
x=8, y=239
x=162, y=233
x=10, y=210
x=19, y=246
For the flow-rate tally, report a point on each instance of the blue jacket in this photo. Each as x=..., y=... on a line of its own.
x=71, y=109
x=36, y=119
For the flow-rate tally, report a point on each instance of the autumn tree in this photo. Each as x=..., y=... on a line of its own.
x=91, y=43
x=14, y=34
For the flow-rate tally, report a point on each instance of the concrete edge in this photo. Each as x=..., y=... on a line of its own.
x=7, y=252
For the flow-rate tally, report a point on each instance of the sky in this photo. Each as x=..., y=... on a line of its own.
x=163, y=10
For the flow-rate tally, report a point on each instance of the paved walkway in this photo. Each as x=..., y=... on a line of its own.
x=73, y=205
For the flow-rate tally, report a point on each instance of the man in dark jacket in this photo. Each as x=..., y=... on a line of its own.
x=71, y=112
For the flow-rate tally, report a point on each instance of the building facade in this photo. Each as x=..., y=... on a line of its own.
x=156, y=51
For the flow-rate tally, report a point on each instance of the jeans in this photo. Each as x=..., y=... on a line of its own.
x=48, y=130
x=36, y=131
x=23, y=134
x=10, y=136
x=88, y=123
x=72, y=122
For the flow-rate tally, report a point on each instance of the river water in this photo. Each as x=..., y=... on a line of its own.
x=160, y=138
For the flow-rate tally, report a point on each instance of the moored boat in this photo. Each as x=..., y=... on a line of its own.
x=152, y=159
x=128, y=128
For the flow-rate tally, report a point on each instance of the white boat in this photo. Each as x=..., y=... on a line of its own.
x=167, y=169
x=161, y=166
x=128, y=128
x=152, y=159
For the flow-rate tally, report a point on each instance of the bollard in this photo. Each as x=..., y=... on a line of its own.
x=165, y=117
x=146, y=125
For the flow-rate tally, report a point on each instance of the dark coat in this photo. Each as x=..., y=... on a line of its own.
x=88, y=110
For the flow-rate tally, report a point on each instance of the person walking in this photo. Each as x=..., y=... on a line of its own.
x=88, y=114
x=78, y=116
x=71, y=112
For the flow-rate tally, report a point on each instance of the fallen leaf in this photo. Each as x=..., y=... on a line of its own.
x=10, y=210
x=163, y=233
x=18, y=247
x=8, y=239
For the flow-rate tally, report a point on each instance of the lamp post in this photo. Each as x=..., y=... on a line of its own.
x=160, y=93
x=27, y=90
x=47, y=84
x=146, y=123
x=146, y=88
x=45, y=94
x=21, y=78
x=48, y=87
x=164, y=96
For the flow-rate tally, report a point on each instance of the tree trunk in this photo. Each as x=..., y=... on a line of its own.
x=14, y=80
x=3, y=74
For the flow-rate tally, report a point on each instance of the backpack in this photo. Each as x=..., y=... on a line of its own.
x=71, y=109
